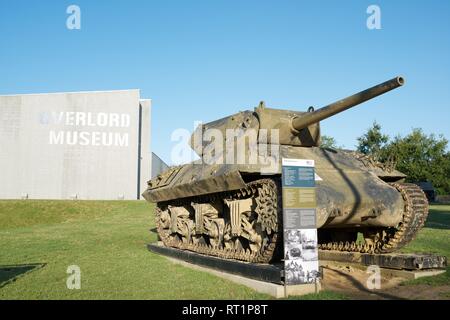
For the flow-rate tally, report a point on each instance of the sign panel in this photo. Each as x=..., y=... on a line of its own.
x=301, y=263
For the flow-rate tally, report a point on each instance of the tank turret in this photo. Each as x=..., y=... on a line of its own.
x=294, y=128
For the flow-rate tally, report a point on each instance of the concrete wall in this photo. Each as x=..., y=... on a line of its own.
x=80, y=145
x=146, y=154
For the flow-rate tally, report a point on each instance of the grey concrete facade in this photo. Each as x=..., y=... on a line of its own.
x=81, y=145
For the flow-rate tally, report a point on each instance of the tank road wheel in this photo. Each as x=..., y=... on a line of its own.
x=242, y=224
x=252, y=231
x=387, y=240
x=215, y=230
x=174, y=225
x=250, y=237
x=162, y=222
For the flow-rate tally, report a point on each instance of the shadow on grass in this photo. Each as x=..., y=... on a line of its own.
x=11, y=273
x=438, y=220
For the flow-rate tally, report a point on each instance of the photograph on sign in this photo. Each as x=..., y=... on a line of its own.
x=299, y=272
x=301, y=244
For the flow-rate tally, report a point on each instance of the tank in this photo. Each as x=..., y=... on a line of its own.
x=228, y=203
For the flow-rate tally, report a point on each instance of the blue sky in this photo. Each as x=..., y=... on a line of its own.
x=203, y=60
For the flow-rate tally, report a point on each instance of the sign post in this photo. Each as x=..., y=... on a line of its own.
x=301, y=263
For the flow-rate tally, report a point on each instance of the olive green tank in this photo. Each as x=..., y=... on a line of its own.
x=228, y=203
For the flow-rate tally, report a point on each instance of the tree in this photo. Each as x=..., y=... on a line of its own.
x=328, y=142
x=422, y=158
x=373, y=142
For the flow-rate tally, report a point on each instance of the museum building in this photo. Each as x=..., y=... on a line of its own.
x=76, y=145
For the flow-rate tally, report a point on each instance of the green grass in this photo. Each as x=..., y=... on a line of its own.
x=106, y=239
x=15, y=214
x=322, y=295
x=433, y=238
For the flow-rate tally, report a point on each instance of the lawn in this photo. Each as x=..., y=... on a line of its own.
x=106, y=239
x=433, y=238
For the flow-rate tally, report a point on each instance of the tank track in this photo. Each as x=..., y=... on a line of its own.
x=266, y=193
x=391, y=239
x=267, y=206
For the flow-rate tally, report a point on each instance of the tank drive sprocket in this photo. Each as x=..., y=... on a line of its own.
x=241, y=225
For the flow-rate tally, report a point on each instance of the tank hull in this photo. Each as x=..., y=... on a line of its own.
x=349, y=193
x=235, y=211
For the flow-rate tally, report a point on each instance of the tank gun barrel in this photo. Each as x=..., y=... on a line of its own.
x=308, y=119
